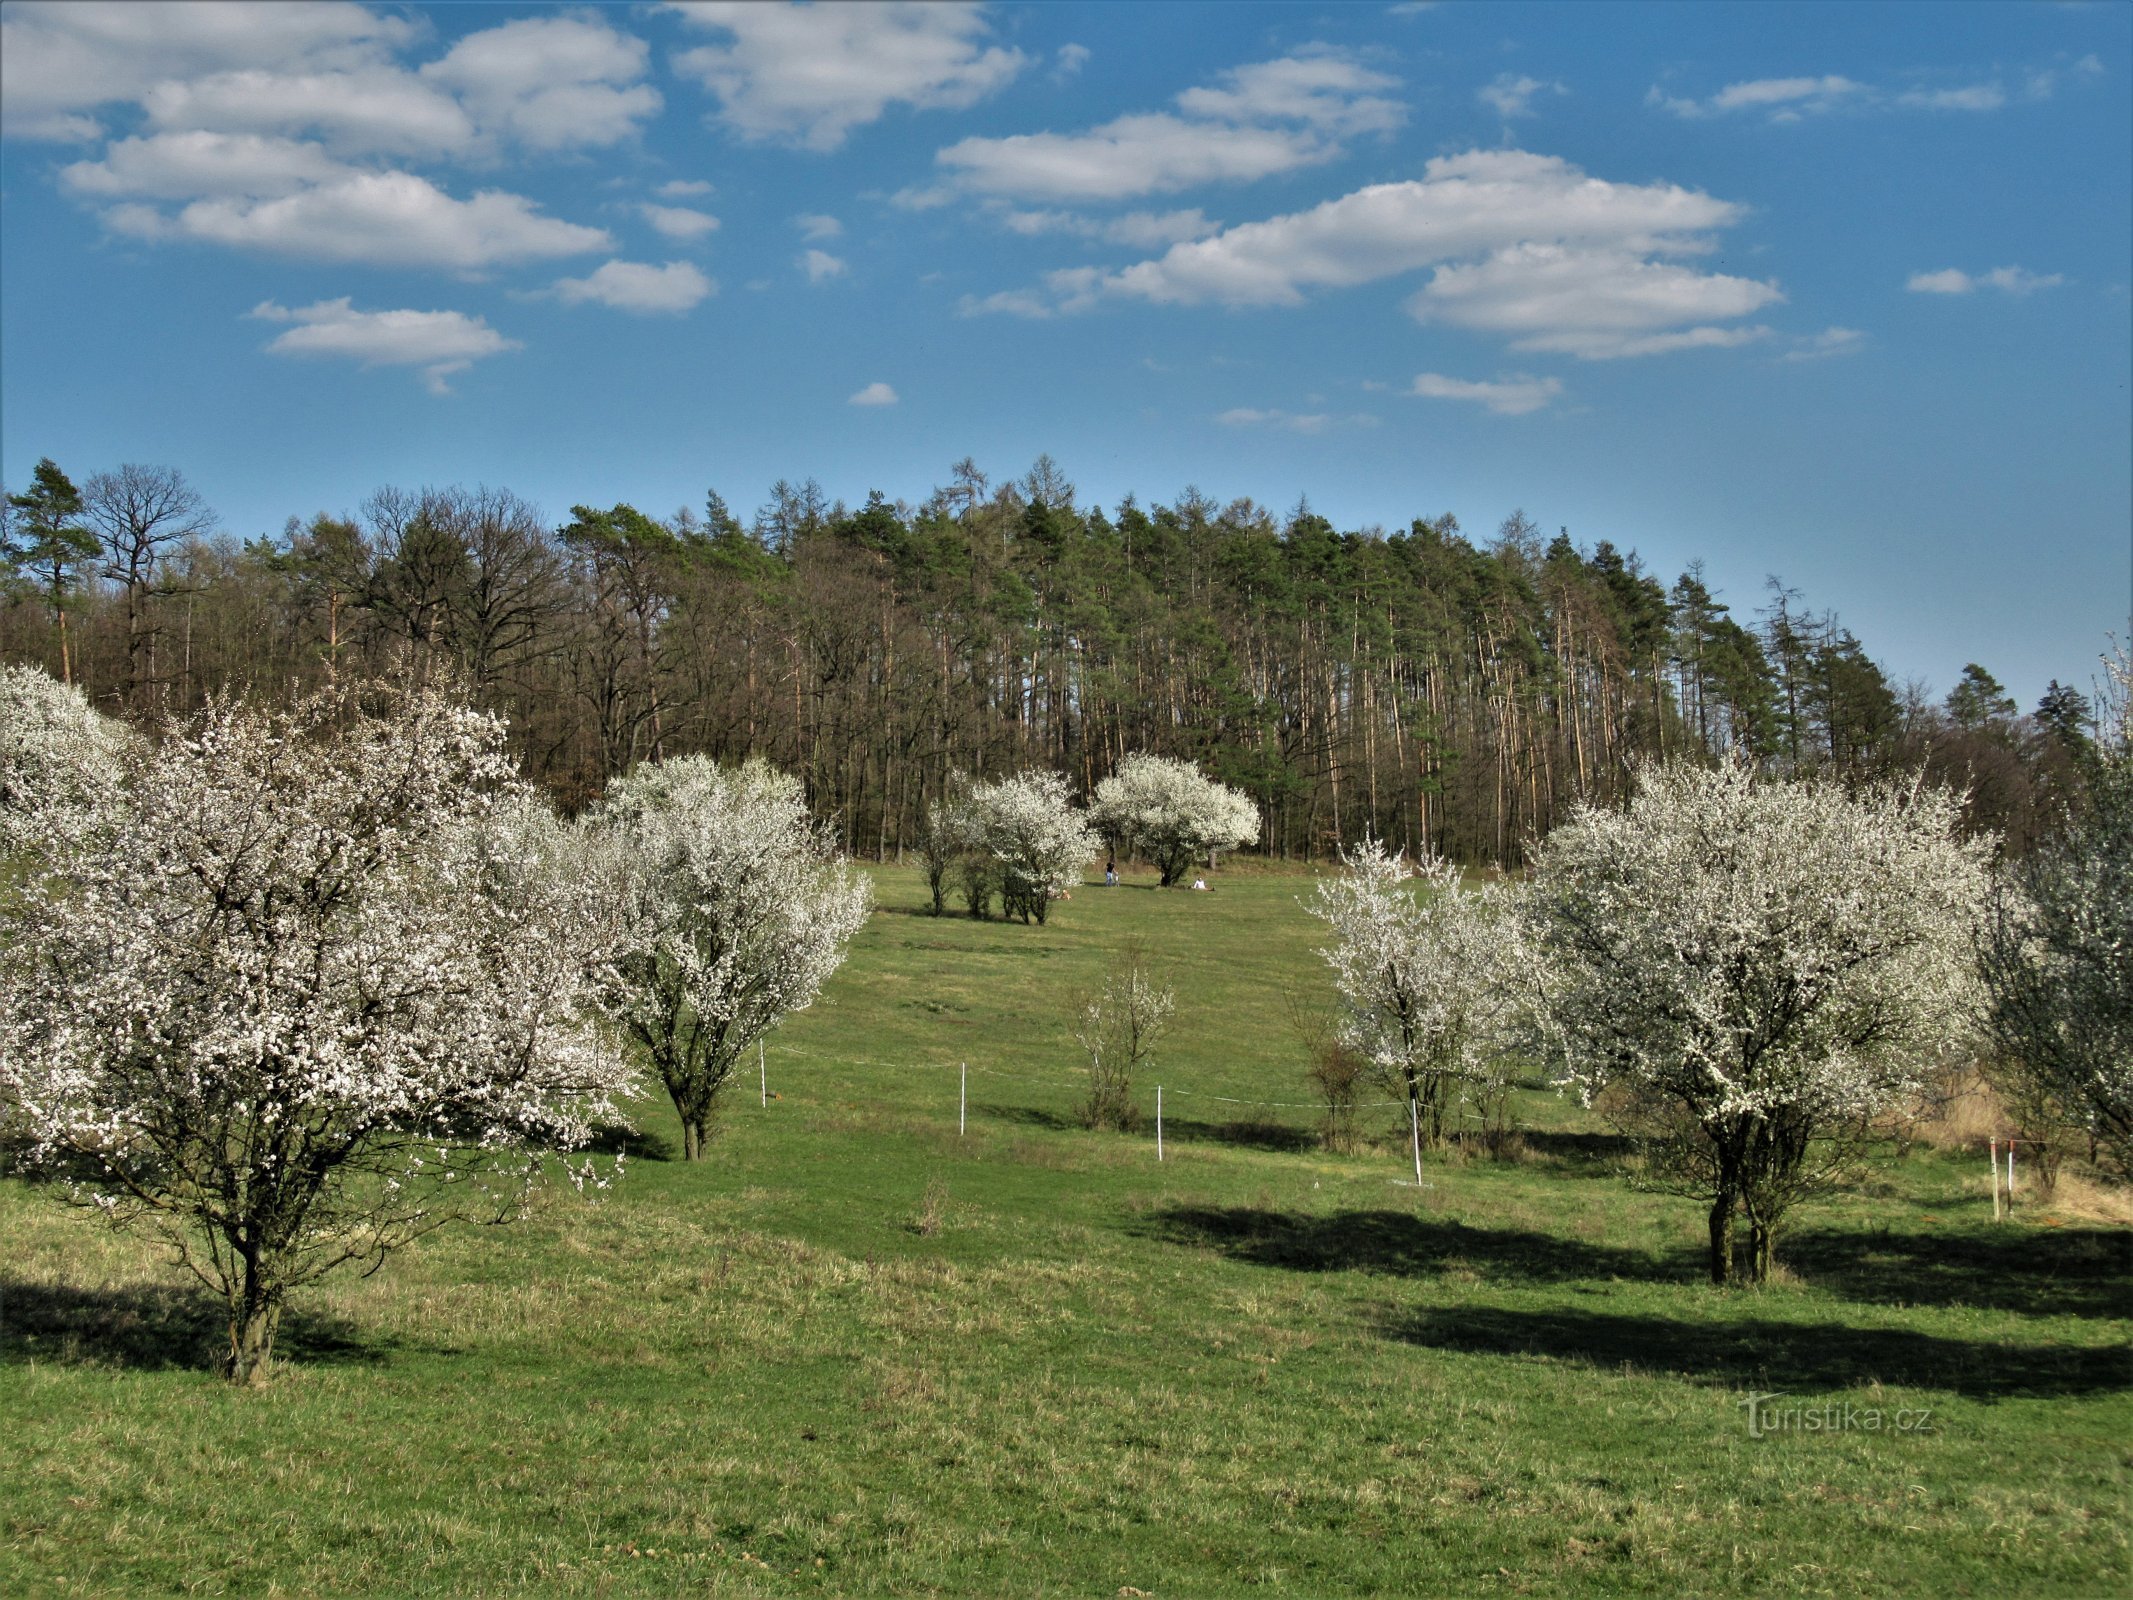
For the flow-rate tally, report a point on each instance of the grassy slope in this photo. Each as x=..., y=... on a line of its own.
x=1253, y=1365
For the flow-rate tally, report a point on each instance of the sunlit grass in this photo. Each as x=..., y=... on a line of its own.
x=1253, y=1366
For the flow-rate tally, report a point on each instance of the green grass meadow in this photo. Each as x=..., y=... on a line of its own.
x=855, y=1353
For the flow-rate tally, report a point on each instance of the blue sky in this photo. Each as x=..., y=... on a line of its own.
x=1838, y=293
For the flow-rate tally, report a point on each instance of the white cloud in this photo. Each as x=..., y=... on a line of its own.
x=1593, y=303
x=1509, y=397
x=392, y=219
x=1255, y=121
x=1319, y=87
x=1786, y=99
x=183, y=166
x=638, y=287
x=1142, y=230
x=2016, y=281
x=1970, y=97
x=874, y=394
x=819, y=265
x=64, y=58
x=371, y=110
x=815, y=227
x=1512, y=95
x=808, y=75
x=1069, y=61
x=1829, y=342
x=678, y=222
x=550, y=83
x=440, y=342
x=684, y=189
x=1292, y=421
x=1523, y=245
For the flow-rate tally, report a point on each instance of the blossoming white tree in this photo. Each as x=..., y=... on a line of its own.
x=730, y=909
x=1756, y=969
x=1170, y=813
x=59, y=760
x=313, y=992
x=1038, y=845
x=1422, y=977
x=2056, y=950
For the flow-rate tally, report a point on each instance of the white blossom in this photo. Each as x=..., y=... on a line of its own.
x=1758, y=964
x=59, y=760
x=1170, y=813
x=316, y=991
x=1037, y=844
x=728, y=909
x=1422, y=977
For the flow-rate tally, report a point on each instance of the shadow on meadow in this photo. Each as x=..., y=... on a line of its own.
x=1396, y=1242
x=1797, y=1358
x=633, y=1144
x=152, y=1327
x=2080, y=1272
x=1244, y=1134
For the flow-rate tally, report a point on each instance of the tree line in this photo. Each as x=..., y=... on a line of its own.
x=1449, y=695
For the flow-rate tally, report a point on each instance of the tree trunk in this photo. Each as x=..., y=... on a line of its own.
x=1722, y=1241
x=254, y=1315
x=692, y=1138
x=1762, y=1242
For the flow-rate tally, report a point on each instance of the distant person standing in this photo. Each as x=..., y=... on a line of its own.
x=1111, y=874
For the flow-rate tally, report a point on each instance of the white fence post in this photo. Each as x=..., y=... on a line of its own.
x=762, y=1068
x=1414, y=1118
x=2010, y=1174
x=1158, y=1122
x=962, y=1103
x=1992, y=1161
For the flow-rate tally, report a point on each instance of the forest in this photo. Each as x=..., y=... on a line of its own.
x=1421, y=686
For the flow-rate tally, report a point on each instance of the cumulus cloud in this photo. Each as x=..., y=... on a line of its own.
x=815, y=227
x=819, y=265
x=183, y=166
x=1511, y=95
x=638, y=287
x=439, y=342
x=1507, y=397
x=1252, y=122
x=2016, y=281
x=1069, y=61
x=1792, y=99
x=392, y=219
x=678, y=222
x=808, y=75
x=63, y=59
x=874, y=394
x=1785, y=99
x=1523, y=245
x=550, y=83
x=684, y=189
x=380, y=110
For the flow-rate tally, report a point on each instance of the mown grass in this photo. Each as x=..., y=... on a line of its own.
x=1068, y=1369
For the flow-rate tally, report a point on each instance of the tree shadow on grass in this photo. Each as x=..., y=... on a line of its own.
x=153, y=1327
x=1597, y=1154
x=2080, y=1272
x=633, y=1144
x=1247, y=1134
x=1029, y=1117
x=1797, y=1358
x=1397, y=1243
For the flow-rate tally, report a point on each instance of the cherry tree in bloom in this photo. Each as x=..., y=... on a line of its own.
x=1038, y=845
x=730, y=909
x=2056, y=950
x=59, y=760
x=314, y=991
x=1756, y=969
x=1422, y=977
x=1170, y=813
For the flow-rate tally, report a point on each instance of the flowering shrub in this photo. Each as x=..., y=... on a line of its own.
x=315, y=989
x=1169, y=813
x=727, y=909
x=1757, y=969
x=59, y=760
